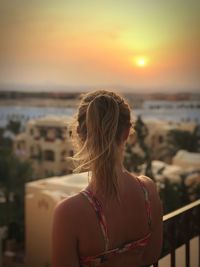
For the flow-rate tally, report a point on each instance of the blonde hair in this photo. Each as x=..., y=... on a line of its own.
x=101, y=119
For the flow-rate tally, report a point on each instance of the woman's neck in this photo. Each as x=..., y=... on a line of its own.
x=120, y=172
x=119, y=169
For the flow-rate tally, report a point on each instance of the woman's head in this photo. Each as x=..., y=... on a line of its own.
x=103, y=123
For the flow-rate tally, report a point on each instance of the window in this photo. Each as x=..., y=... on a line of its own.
x=37, y=134
x=43, y=132
x=31, y=131
x=59, y=133
x=71, y=153
x=160, y=139
x=49, y=155
x=50, y=135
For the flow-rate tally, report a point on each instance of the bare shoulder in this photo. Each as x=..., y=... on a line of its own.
x=65, y=232
x=151, y=255
x=153, y=195
x=146, y=179
x=69, y=203
x=68, y=208
x=149, y=183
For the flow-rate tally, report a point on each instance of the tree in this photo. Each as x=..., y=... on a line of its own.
x=174, y=195
x=13, y=176
x=5, y=141
x=170, y=195
x=179, y=139
x=14, y=126
x=195, y=143
x=133, y=159
x=142, y=132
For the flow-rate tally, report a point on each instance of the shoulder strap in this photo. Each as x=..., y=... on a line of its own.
x=100, y=216
x=147, y=202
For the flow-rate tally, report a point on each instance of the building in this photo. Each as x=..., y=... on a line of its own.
x=162, y=171
x=41, y=199
x=158, y=130
x=187, y=160
x=158, y=137
x=46, y=142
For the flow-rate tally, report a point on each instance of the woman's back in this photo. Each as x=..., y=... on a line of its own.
x=125, y=223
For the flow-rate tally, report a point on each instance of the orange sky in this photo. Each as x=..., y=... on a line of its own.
x=97, y=43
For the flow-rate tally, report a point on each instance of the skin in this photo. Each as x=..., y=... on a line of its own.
x=76, y=231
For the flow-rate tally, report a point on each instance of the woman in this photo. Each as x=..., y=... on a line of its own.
x=117, y=220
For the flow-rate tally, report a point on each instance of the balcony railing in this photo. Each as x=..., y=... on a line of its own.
x=180, y=226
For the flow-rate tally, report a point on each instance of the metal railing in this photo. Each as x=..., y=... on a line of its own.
x=180, y=226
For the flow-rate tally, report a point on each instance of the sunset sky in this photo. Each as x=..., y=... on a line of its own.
x=148, y=45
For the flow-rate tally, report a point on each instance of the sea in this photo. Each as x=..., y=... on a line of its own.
x=174, y=111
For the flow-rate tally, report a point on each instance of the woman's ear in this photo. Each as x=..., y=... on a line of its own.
x=125, y=134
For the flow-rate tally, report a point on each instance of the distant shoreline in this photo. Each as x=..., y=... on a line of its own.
x=71, y=100
x=35, y=102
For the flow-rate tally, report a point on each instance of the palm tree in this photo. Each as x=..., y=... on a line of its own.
x=142, y=132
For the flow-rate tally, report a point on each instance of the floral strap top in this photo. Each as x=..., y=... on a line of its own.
x=92, y=261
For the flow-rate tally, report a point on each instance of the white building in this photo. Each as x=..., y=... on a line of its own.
x=41, y=199
x=159, y=129
x=158, y=136
x=187, y=160
x=46, y=142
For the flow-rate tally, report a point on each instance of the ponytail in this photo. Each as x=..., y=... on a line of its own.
x=102, y=123
x=101, y=119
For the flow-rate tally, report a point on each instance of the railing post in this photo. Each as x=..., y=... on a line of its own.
x=172, y=243
x=180, y=226
x=187, y=253
x=187, y=238
x=199, y=250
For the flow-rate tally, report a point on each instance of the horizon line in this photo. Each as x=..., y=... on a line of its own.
x=35, y=88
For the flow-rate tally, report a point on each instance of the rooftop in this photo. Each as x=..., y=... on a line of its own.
x=51, y=120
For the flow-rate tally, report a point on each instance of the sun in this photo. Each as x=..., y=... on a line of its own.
x=140, y=61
